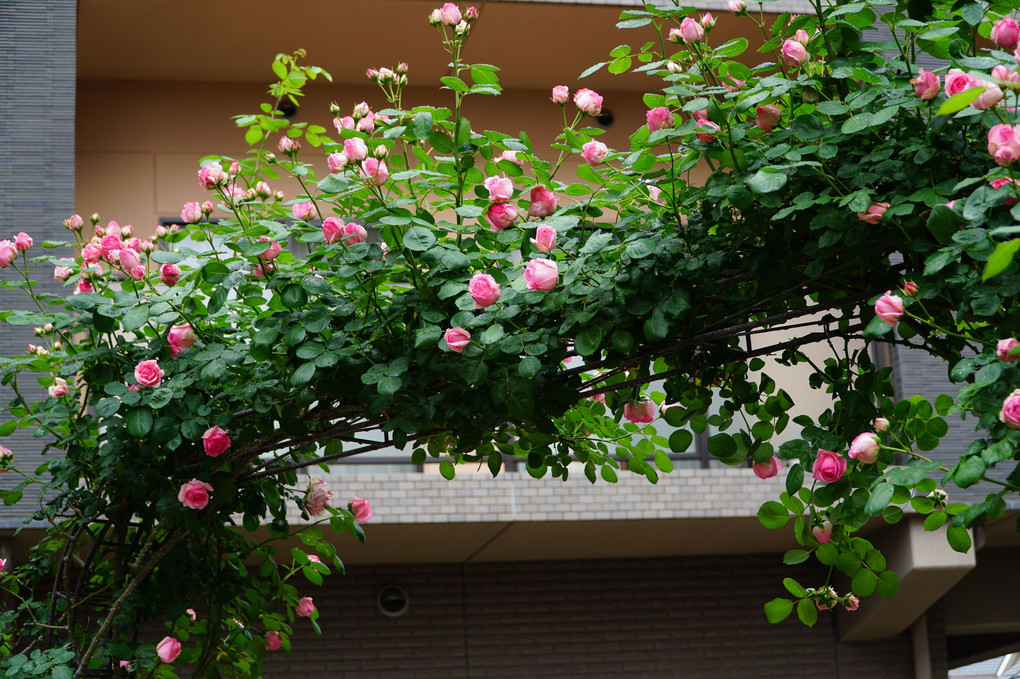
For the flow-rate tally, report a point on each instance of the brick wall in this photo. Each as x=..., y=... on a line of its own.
x=649, y=618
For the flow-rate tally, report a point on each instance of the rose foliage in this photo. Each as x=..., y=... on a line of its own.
x=430, y=286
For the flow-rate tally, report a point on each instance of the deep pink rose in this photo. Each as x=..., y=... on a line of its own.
x=541, y=274
x=356, y=149
x=707, y=131
x=768, y=116
x=111, y=244
x=560, y=94
x=83, y=286
x=180, y=337
x=375, y=171
x=484, y=290
x=354, y=233
x=274, y=249
x=865, y=448
x=3, y=562
x=543, y=202
x=192, y=213
x=8, y=253
x=873, y=215
x=658, y=118
x=169, y=274
x=1005, y=181
x=889, y=308
x=457, y=338
x=768, y=468
x=545, y=238
x=926, y=85
x=1005, y=33
x=500, y=215
x=640, y=412
x=215, y=441
x=828, y=466
x=957, y=81
x=691, y=31
x=194, y=494
x=148, y=373
x=92, y=253
x=304, y=607
x=23, y=242
x=1010, y=413
x=168, y=649
x=129, y=259
x=823, y=532
x=594, y=152
x=794, y=54
x=910, y=289
x=318, y=497
x=1003, y=349
x=273, y=641
x=588, y=102
x=332, y=229
x=360, y=509
x=288, y=145
x=501, y=189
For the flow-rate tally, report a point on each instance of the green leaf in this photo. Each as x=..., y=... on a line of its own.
x=935, y=520
x=303, y=374
x=214, y=272
x=969, y=471
x=960, y=101
x=294, y=296
x=597, y=243
x=864, y=582
x=455, y=84
x=778, y=610
x=419, y=238
x=794, y=479
x=959, y=538
x=807, y=612
x=447, y=470
x=135, y=317
x=880, y=497
x=107, y=407
x=588, y=340
x=794, y=588
x=139, y=422
x=998, y=260
x=160, y=397
x=313, y=576
x=639, y=248
x=796, y=556
x=773, y=515
x=888, y=584
x=663, y=462
x=961, y=370
x=827, y=554
x=681, y=440
x=529, y=366
x=767, y=180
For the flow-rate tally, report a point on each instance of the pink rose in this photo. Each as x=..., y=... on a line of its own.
x=802, y=37
x=457, y=338
x=852, y=602
x=273, y=641
x=318, y=497
x=594, y=152
x=889, y=308
x=92, y=253
x=541, y=274
x=484, y=290
x=83, y=286
x=707, y=20
x=169, y=274
x=1005, y=181
x=111, y=244
x=655, y=193
x=59, y=388
x=356, y=149
x=957, y=81
x=129, y=259
x=926, y=85
x=691, y=31
x=881, y=424
x=337, y=161
x=707, y=131
x=736, y=6
x=354, y=233
x=192, y=213
x=303, y=211
x=512, y=157
x=545, y=238
x=1005, y=33
x=560, y=93
x=304, y=607
x=794, y=54
x=274, y=249
x=6, y=458
x=288, y=145
x=588, y=102
x=658, y=118
x=215, y=441
x=211, y=176
x=910, y=288
x=768, y=116
x=375, y=171
x=640, y=412
x=332, y=229
x=360, y=509
x=543, y=202
x=823, y=532
x=991, y=96
x=149, y=374
x=501, y=189
x=74, y=222
x=865, y=448
x=768, y=468
x=345, y=123
x=194, y=494
x=367, y=123
x=828, y=466
x=192, y=616
x=23, y=242
x=873, y=215
x=1004, y=348
x=1010, y=413
x=61, y=273
x=500, y=215
x=450, y=14
x=315, y=558
x=3, y=562
x=168, y=649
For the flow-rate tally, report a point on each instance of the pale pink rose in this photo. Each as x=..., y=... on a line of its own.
x=736, y=6
x=457, y=338
x=361, y=110
x=304, y=607
x=852, y=602
x=360, y=508
x=926, y=85
x=881, y=424
x=180, y=337
x=367, y=124
x=541, y=274
x=707, y=131
x=192, y=615
x=501, y=189
x=828, y=466
x=303, y=211
x=889, y=308
x=6, y=459
x=707, y=20
x=133, y=387
x=168, y=649
x=337, y=161
x=356, y=149
x=543, y=202
x=470, y=15
x=345, y=123
x=169, y=274
x=802, y=37
x=375, y=171
x=136, y=272
x=273, y=252
x=826, y=598
x=674, y=36
x=991, y=95
x=594, y=152
x=133, y=244
x=318, y=497
x=192, y=213
x=215, y=441
x=449, y=14
x=74, y=222
x=315, y=558
x=1005, y=33
x=23, y=242
x=545, y=238
x=655, y=193
x=794, y=54
x=194, y=494
x=957, y=81
x=865, y=448
x=560, y=94
x=640, y=412
x=59, y=388
x=1002, y=73
x=211, y=176
x=910, y=288
x=823, y=532
x=768, y=116
x=1004, y=348
x=588, y=102
x=126, y=231
x=332, y=228
x=658, y=118
x=768, y=468
x=61, y=273
x=148, y=373
x=288, y=145
x=1010, y=413
x=511, y=156
x=354, y=233
x=873, y=215
x=129, y=259
x=92, y=253
x=273, y=641
x=125, y=665
x=691, y=31
x=500, y=215
x=484, y=290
